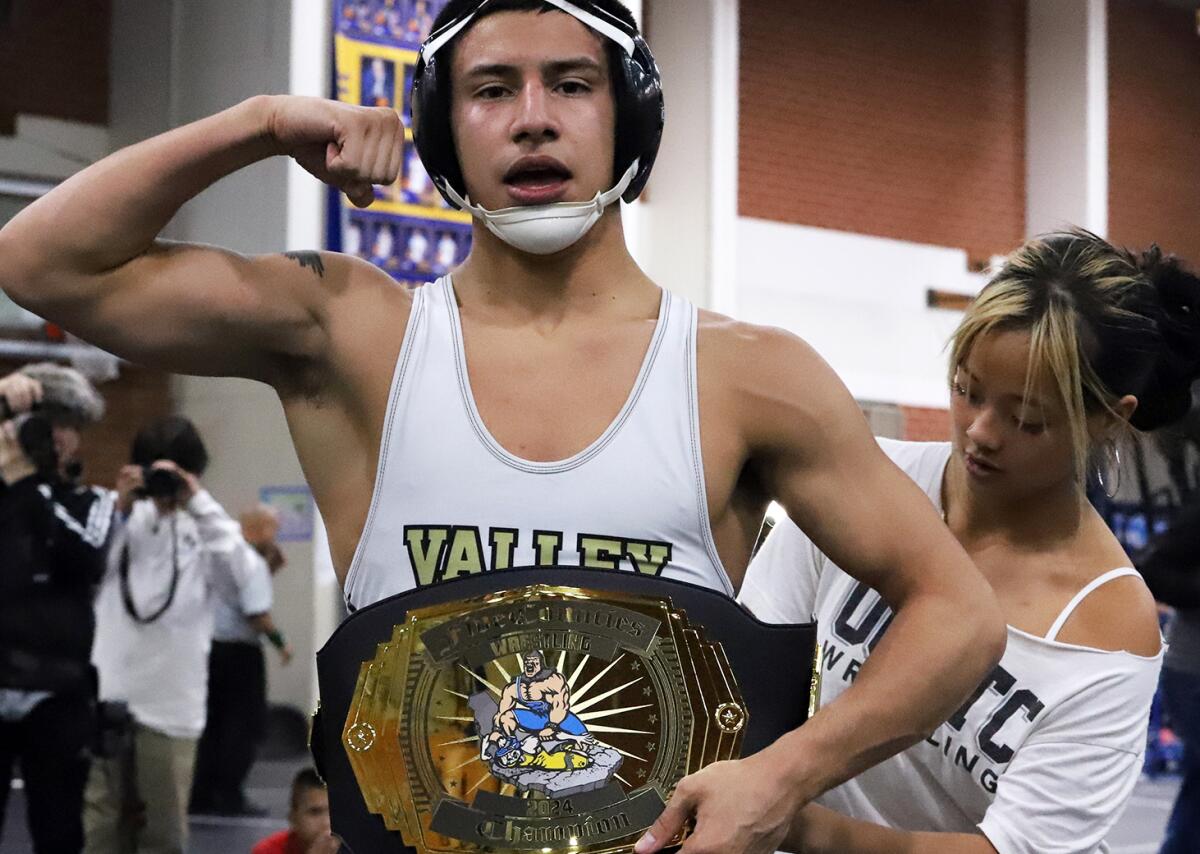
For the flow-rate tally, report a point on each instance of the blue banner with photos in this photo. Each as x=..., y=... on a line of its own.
x=409, y=231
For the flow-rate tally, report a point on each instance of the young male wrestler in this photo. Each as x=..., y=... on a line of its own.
x=548, y=403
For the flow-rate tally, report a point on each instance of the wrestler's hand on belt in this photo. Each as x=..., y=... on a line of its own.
x=346, y=146
x=739, y=807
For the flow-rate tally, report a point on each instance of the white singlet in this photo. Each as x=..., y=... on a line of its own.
x=449, y=501
x=1043, y=756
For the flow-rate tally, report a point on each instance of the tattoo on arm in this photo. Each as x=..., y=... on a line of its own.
x=308, y=259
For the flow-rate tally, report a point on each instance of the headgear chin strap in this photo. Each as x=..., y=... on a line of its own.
x=551, y=228
x=545, y=229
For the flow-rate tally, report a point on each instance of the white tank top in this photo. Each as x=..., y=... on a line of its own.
x=1042, y=757
x=449, y=501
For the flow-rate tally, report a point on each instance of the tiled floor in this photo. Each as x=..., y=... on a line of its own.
x=268, y=786
x=1138, y=832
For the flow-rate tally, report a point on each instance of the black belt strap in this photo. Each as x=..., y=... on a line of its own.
x=773, y=665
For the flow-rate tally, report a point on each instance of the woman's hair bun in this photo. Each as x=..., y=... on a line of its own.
x=1167, y=394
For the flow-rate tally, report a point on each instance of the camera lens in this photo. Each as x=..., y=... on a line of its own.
x=161, y=483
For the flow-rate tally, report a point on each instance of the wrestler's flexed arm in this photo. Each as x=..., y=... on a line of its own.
x=87, y=254
x=808, y=444
x=816, y=453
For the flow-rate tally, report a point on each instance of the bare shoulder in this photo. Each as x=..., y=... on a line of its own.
x=357, y=307
x=334, y=275
x=1119, y=616
x=753, y=358
x=312, y=288
x=368, y=308
x=724, y=338
x=772, y=375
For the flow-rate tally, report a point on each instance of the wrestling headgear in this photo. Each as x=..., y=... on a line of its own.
x=545, y=229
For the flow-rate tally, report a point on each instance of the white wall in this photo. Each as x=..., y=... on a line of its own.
x=686, y=229
x=676, y=214
x=1066, y=122
x=860, y=301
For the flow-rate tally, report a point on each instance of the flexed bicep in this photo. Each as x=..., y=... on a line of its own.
x=202, y=310
x=89, y=255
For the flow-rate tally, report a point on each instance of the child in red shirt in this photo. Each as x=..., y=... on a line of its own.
x=309, y=819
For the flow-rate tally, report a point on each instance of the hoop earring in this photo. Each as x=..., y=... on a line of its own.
x=1111, y=461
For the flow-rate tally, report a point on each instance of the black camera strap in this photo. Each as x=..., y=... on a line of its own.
x=127, y=594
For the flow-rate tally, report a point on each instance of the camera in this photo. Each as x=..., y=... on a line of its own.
x=173, y=438
x=159, y=483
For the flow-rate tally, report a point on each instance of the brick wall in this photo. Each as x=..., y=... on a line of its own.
x=897, y=119
x=137, y=397
x=1154, y=126
x=926, y=425
x=54, y=60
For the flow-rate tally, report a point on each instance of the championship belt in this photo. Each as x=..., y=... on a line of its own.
x=544, y=709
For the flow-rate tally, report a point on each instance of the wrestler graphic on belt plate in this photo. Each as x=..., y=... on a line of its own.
x=532, y=739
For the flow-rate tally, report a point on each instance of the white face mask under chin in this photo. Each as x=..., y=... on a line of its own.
x=545, y=229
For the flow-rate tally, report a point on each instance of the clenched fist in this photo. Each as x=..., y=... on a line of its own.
x=348, y=147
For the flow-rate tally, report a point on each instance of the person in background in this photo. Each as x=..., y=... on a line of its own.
x=237, y=670
x=154, y=619
x=53, y=533
x=1171, y=566
x=308, y=821
x=1070, y=346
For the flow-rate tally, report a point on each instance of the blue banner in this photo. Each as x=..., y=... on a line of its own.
x=409, y=231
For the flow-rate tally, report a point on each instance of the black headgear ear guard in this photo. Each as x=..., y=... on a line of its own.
x=636, y=83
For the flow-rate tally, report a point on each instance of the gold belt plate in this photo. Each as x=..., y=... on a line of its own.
x=545, y=718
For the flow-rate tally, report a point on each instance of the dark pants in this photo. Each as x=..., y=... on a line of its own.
x=237, y=713
x=52, y=743
x=1181, y=693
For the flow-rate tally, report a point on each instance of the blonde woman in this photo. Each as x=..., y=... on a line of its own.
x=1071, y=344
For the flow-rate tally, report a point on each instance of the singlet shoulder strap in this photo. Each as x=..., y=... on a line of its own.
x=1100, y=581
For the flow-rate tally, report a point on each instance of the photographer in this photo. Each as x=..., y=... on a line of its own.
x=52, y=539
x=1171, y=567
x=154, y=628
